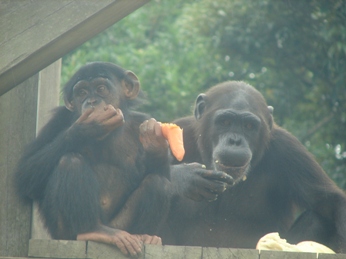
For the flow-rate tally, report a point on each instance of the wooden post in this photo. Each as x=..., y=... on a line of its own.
x=48, y=98
x=23, y=110
x=17, y=128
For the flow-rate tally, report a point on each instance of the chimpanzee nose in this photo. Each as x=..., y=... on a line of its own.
x=92, y=101
x=235, y=140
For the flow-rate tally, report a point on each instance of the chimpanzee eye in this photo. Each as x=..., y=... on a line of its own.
x=249, y=126
x=102, y=90
x=223, y=121
x=226, y=122
x=81, y=93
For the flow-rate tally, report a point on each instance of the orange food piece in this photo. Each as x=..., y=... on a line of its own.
x=174, y=134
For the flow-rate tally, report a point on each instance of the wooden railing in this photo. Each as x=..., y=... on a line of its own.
x=81, y=249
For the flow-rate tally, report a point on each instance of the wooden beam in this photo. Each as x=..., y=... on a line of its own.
x=105, y=251
x=34, y=34
x=213, y=252
x=17, y=126
x=173, y=252
x=57, y=249
x=88, y=249
x=47, y=100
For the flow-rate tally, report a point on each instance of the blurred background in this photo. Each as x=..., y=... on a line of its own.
x=293, y=52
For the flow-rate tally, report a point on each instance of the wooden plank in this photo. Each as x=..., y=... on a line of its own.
x=94, y=250
x=48, y=98
x=172, y=252
x=286, y=255
x=33, y=34
x=57, y=248
x=104, y=251
x=48, y=93
x=17, y=127
x=229, y=253
x=331, y=256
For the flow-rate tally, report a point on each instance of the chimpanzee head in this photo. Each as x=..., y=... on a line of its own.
x=234, y=124
x=99, y=83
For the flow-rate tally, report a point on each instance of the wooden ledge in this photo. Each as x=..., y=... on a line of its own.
x=87, y=249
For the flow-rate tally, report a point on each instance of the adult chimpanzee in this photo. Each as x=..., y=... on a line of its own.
x=98, y=168
x=275, y=177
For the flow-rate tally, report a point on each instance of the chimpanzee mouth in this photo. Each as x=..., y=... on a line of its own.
x=238, y=173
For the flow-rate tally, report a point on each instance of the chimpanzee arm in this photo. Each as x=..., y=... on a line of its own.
x=137, y=216
x=309, y=186
x=152, y=193
x=71, y=199
x=60, y=136
x=158, y=164
x=157, y=160
x=194, y=181
x=43, y=154
x=71, y=206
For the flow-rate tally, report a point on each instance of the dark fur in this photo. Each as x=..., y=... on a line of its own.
x=283, y=178
x=68, y=173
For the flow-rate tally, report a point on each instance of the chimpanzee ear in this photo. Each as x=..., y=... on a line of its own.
x=69, y=105
x=131, y=90
x=200, y=105
x=271, y=110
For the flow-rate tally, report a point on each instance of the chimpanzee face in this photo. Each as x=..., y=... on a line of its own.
x=234, y=124
x=98, y=84
x=96, y=92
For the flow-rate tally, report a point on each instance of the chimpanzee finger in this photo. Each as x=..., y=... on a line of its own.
x=151, y=124
x=143, y=132
x=154, y=131
x=150, y=129
x=100, y=114
x=108, y=112
x=152, y=142
x=143, y=127
x=217, y=175
x=85, y=115
x=211, y=186
x=201, y=195
x=156, y=240
x=133, y=245
x=153, y=240
x=208, y=195
x=158, y=129
x=217, y=186
x=115, y=121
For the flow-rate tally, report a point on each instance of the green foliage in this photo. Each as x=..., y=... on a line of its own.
x=294, y=52
x=148, y=42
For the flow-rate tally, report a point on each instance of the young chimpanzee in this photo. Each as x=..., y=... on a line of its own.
x=98, y=169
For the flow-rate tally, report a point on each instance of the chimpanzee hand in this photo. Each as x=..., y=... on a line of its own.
x=127, y=243
x=152, y=240
x=197, y=183
x=151, y=137
x=99, y=121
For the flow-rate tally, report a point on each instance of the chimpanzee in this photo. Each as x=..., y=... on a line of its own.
x=275, y=178
x=98, y=169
